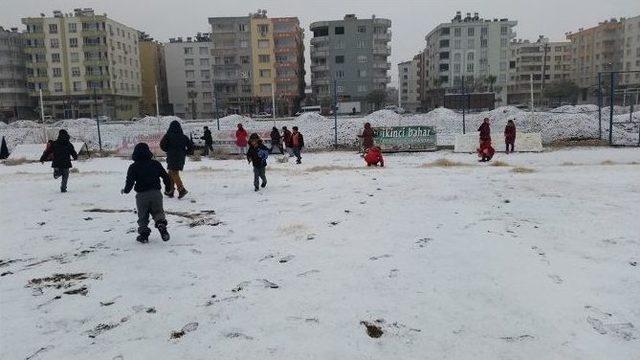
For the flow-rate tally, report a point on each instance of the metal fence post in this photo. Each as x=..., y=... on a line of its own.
x=335, y=113
x=611, y=102
x=600, y=105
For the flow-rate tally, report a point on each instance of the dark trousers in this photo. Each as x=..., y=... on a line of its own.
x=510, y=144
x=207, y=148
x=150, y=203
x=296, y=153
x=259, y=173
x=64, y=173
x=279, y=146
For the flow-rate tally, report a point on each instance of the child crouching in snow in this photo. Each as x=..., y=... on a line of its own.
x=257, y=155
x=145, y=173
x=373, y=156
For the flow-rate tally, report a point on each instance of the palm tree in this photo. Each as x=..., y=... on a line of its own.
x=193, y=95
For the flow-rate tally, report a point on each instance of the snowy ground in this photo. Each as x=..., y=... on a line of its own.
x=459, y=262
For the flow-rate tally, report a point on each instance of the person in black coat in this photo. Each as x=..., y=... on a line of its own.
x=257, y=156
x=177, y=146
x=208, y=141
x=276, y=140
x=60, y=152
x=144, y=176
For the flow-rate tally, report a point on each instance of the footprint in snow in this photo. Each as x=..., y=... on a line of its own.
x=556, y=278
x=374, y=258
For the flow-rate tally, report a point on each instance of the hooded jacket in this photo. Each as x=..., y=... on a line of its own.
x=485, y=132
x=367, y=136
x=145, y=172
x=62, y=151
x=208, y=139
x=275, y=136
x=241, y=137
x=510, y=133
x=177, y=146
x=258, y=155
x=287, y=136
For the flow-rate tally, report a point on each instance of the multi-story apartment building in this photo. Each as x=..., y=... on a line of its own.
x=154, y=76
x=547, y=62
x=189, y=79
x=289, y=61
x=473, y=47
x=352, y=52
x=256, y=58
x=631, y=57
x=14, y=98
x=408, y=80
x=594, y=50
x=79, y=59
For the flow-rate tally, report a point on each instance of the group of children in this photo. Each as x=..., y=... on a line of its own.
x=486, y=151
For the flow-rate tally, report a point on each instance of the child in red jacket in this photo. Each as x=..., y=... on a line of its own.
x=373, y=156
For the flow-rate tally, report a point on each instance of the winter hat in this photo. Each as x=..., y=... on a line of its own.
x=63, y=135
x=141, y=152
x=175, y=128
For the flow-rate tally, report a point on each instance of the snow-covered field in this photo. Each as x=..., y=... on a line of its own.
x=535, y=260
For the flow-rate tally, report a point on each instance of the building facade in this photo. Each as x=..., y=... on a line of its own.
x=631, y=57
x=14, y=98
x=189, y=79
x=542, y=61
x=81, y=59
x=257, y=58
x=594, y=50
x=352, y=52
x=408, y=81
x=154, y=76
x=470, y=47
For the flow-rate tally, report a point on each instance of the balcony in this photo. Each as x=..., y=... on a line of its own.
x=382, y=51
x=382, y=79
x=34, y=49
x=382, y=65
x=96, y=62
x=321, y=81
x=386, y=36
x=320, y=53
x=320, y=41
x=324, y=67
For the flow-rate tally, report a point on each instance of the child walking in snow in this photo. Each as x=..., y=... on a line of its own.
x=510, y=135
x=257, y=155
x=60, y=152
x=297, y=142
x=373, y=156
x=144, y=176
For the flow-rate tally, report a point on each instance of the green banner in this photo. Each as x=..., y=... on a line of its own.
x=406, y=138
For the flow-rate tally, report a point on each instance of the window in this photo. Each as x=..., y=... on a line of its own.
x=246, y=89
x=470, y=56
x=73, y=27
x=55, y=43
x=340, y=59
x=471, y=31
x=75, y=71
x=339, y=74
x=75, y=57
x=263, y=29
x=265, y=73
x=188, y=51
x=503, y=42
x=205, y=84
x=470, y=67
x=483, y=31
x=456, y=44
x=244, y=44
x=57, y=87
x=264, y=58
x=362, y=29
x=445, y=31
x=457, y=32
x=362, y=88
x=444, y=43
x=444, y=55
x=444, y=67
x=504, y=30
x=456, y=68
x=339, y=30
x=362, y=73
x=204, y=62
x=484, y=43
x=205, y=74
x=55, y=58
x=242, y=27
x=188, y=62
x=57, y=72
x=77, y=86
x=471, y=43
x=204, y=51
x=362, y=59
x=191, y=84
x=361, y=44
x=73, y=42
x=53, y=28
x=265, y=88
x=190, y=74
x=339, y=45
x=263, y=44
x=244, y=60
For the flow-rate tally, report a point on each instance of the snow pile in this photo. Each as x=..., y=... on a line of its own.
x=3, y=124
x=164, y=121
x=24, y=124
x=83, y=122
x=386, y=116
x=311, y=117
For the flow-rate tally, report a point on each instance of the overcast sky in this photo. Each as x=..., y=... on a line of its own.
x=411, y=19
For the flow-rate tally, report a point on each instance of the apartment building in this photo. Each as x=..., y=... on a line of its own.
x=154, y=76
x=544, y=61
x=189, y=78
x=289, y=62
x=631, y=56
x=14, y=98
x=78, y=59
x=594, y=50
x=352, y=52
x=256, y=58
x=408, y=81
x=469, y=46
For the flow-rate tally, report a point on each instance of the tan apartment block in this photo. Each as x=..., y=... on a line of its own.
x=153, y=74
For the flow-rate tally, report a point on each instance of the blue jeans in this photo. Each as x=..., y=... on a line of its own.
x=296, y=153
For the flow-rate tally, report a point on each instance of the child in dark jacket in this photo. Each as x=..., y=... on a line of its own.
x=257, y=155
x=60, y=152
x=144, y=176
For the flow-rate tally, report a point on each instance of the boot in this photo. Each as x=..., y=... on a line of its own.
x=182, y=193
x=164, y=234
x=169, y=193
x=143, y=238
x=264, y=185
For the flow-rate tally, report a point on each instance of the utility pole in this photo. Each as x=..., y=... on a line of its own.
x=215, y=104
x=44, y=128
x=157, y=107
x=464, y=103
x=335, y=113
x=95, y=103
x=531, y=86
x=544, y=69
x=273, y=102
